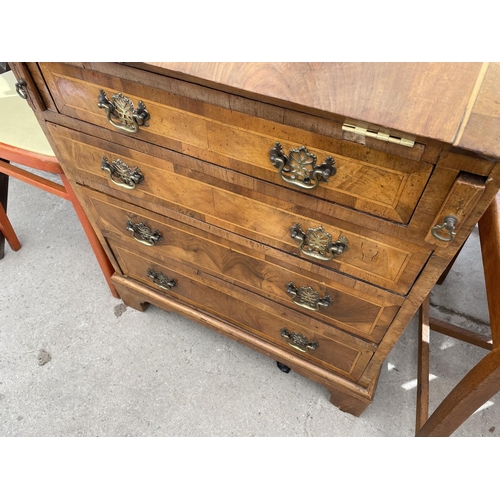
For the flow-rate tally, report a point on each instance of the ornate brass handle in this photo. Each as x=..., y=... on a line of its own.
x=449, y=224
x=121, y=174
x=161, y=280
x=21, y=88
x=144, y=233
x=317, y=243
x=300, y=168
x=122, y=108
x=307, y=298
x=298, y=341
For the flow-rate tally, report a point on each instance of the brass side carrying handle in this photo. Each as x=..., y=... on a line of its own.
x=122, y=109
x=121, y=174
x=161, y=280
x=298, y=341
x=299, y=168
x=318, y=244
x=448, y=226
x=307, y=297
x=21, y=88
x=143, y=233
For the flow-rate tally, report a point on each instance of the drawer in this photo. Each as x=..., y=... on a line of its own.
x=342, y=302
x=332, y=349
x=173, y=184
x=369, y=181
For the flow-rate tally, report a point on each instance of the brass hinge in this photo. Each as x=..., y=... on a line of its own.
x=381, y=134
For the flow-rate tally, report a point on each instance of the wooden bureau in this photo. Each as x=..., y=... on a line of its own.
x=305, y=210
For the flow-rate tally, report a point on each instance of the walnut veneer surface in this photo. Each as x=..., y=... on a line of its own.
x=210, y=227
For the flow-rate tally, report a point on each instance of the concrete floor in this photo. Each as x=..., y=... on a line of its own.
x=114, y=371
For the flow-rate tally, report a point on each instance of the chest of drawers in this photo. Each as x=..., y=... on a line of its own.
x=251, y=198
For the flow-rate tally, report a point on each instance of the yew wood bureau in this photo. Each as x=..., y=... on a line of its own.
x=304, y=210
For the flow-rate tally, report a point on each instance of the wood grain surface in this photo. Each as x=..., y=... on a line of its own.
x=369, y=181
x=342, y=353
x=346, y=394
x=356, y=307
x=384, y=261
x=481, y=131
x=425, y=99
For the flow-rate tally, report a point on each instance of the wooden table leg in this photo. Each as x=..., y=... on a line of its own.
x=479, y=385
x=4, y=187
x=423, y=365
x=102, y=258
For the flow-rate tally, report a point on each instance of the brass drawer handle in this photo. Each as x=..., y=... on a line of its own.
x=298, y=341
x=144, y=233
x=161, y=280
x=317, y=243
x=122, y=109
x=449, y=225
x=21, y=86
x=121, y=174
x=300, y=168
x=307, y=298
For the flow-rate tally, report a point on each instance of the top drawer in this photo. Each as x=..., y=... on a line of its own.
x=370, y=181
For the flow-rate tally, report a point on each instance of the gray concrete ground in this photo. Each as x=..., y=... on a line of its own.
x=113, y=371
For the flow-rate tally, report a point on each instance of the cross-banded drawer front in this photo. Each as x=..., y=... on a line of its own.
x=341, y=302
x=328, y=347
x=174, y=186
x=333, y=170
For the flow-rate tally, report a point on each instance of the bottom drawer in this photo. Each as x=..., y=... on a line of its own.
x=331, y=348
